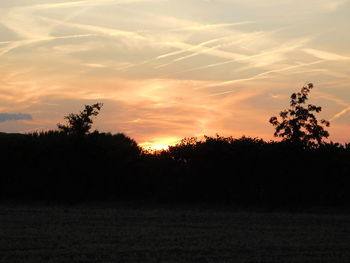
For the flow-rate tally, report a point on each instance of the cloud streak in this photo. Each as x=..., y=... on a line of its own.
x=257, y=60
x=325, y=55
x=14, y=117
x=339, y=114
x=202, y=49
x=256, y=77
x=17, y=44
x=212, y=26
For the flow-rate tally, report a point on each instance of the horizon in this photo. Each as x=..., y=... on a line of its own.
x=166, y=70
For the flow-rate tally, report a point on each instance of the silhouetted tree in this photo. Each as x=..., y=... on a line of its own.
x=299, y=125
x=80, y=124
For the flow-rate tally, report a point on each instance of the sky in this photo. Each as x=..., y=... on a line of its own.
x=169, y=69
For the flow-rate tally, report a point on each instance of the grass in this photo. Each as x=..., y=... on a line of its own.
x=137, y=233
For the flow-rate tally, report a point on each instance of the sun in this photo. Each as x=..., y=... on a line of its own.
x=159, y=144
x=159, y=147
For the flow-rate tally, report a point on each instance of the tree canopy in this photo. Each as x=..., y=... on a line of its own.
x=80, y=124
x=299, y=124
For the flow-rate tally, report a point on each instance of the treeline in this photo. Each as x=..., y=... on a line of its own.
x=59, y=167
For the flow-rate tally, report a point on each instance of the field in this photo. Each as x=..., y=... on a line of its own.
x=165, y=233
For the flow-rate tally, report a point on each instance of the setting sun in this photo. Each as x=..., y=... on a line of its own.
x=159, y=144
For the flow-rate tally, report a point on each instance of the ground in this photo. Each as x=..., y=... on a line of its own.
x=168, y=233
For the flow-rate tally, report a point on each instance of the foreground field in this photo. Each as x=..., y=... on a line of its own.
x=135, y=233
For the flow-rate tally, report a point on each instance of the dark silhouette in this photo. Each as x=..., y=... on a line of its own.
x=76, y=165
x=299, y=125
x=80, y=124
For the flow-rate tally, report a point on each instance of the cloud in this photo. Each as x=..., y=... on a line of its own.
x=99, y=29
x=14, y=117
x=191, y=48
x=331, y=98
x=334, y=5
x=325, y=55
x=261, y=59
x=339, y=114
x=88, y=3
x=202, y=48
x=212, y=26
x=32, y=28
x=287, y=5
x=93, y=65
x=16, y=44
x=260, y=76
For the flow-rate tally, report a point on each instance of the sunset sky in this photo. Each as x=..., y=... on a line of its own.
x=169, y=69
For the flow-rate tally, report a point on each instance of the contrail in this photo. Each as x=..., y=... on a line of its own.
x=325, y=55
x=99, y=29
x=339, y=114
x=190, y=47
x=213, y=52
x=263, y=74
x=212, y=26
x=202, y=50
x=258, y=76
x=21, y=16
x=21, y=43
x=194, y=47
x=338, y=102
x=185, y=47
x=245, y=57
x=85, y=3
x=60, y=5
x=207, y=50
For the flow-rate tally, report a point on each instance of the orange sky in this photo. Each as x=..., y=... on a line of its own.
x=168, y=69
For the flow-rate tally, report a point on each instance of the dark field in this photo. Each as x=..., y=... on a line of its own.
x=136, y=233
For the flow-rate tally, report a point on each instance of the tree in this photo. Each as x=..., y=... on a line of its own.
x=299, y=125
x=80, y=124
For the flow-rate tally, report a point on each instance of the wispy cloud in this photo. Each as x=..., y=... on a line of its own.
x=334, y=5
x=31, y=29
x=93, y=65
x=257, y=77
x=14, y=117
x=35, y=29
x=16, y=44
x=337, y=101
x=256, y=60
x=212, y=26
x=87, y=3
x=196, y=50
x=213, y=52
x=204, y=48
x=99, y=29
x=339, y=114
x=187, y=48
x=325, y=55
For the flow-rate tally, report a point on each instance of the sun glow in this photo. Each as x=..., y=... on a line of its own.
x=159, y=144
